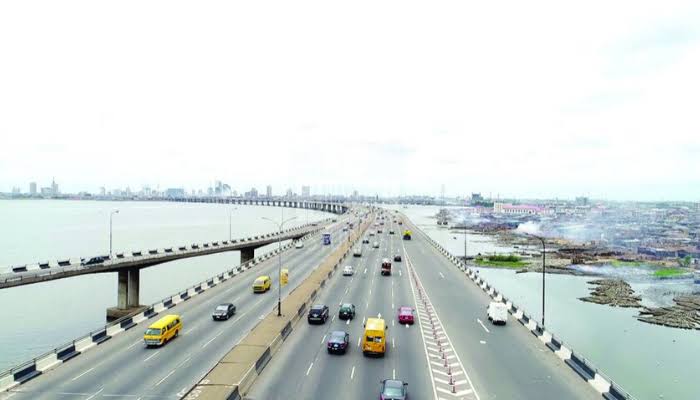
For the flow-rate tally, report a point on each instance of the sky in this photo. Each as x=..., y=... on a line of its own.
x=510, y=99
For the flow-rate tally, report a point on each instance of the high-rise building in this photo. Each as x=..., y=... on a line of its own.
x=103, y=191
x=54, y=187
x=290, y=193
x=32, y=188
x=305, y=192
x=269, y=191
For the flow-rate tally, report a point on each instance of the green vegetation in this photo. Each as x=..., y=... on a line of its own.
x=508, y=261
x=685, y=261
x=669, y=272
x=620, y=263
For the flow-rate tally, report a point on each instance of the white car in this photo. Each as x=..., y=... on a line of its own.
x=299, y=245
x=497, y=312
x=357, y=252
x=348, y=270
x=375, y=245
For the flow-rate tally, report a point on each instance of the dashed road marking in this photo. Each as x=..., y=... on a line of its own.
x=483, y=326
x=151, y=356
x=309, y=370
x=352, y=373
x=441, y=275
x=76, y=378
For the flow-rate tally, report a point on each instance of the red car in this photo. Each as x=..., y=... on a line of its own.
x=405, y=315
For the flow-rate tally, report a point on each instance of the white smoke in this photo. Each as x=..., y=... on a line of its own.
x=530, y=228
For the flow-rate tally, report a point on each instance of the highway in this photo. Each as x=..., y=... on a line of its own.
x=486, y=361
x=123, y=368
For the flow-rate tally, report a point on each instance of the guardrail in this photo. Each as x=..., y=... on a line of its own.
x=608, y=389
x=36, y=366
x=74, y=264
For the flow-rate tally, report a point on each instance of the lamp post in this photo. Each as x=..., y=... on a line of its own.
x=110, y=231
x=230, y=216
x=544, y=249
x=279, y=266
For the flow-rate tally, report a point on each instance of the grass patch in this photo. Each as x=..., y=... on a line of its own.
x=509, y=261
x=620, y=263
x=668, y=272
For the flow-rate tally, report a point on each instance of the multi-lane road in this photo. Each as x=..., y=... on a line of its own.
x=123, y=368
x=484, y=361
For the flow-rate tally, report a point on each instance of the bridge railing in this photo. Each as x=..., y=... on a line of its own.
x=31, y=368
x=583, y=367
x=74, y=264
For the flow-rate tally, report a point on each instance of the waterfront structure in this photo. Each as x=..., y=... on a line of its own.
x=306, y=192
x=524, y=209
x=268, y=192
x=32, y=188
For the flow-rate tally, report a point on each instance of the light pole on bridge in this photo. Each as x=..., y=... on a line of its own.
x=110, y=230
x=544, y=250
x=279, y=266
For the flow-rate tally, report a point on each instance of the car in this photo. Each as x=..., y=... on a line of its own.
x=348, y=270
x=347, y=311
x=497, y=313
x=318, y=313
x=262, y=284
x=379, y=231
x=365, y=241
x=406, y=315
x=397, y=257
x=357, y=252
x=371, y=233
x=223, y=311
x=391, y=231
x=94, y=260
x=375, y=245
x=338, y=342
x=299, y=245
x=393, y=389
x=345, y=229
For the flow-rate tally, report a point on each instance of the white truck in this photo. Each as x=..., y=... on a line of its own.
x=357, y=252
x=497, y=312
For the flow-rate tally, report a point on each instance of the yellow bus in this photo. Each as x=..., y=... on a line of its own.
x=374, y=338
x=262, y=284
x=163, y=330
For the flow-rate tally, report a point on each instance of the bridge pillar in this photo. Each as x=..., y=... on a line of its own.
x=247, y=254
x=128, y=281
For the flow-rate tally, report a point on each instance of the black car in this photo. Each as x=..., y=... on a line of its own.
x=338, y=342
x=318, y=314
x=365, y=241
x=397, y=257
x=393, y=389
x=223, y=311
x=347, y=311
x=94, y=260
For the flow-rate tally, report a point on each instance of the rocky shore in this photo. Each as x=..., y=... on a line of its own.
x=684, y=314
x=613, y=292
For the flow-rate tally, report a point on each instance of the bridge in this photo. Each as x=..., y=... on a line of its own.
x=451, y=352
x=332, y=206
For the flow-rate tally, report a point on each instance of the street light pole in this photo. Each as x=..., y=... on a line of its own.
x=544, y=251
x=279, y=265
x=110, y=231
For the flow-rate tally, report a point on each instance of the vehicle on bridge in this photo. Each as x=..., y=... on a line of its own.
x=94, y=260
x=497, y=312
x=338, y=342
x=375, y=245
x=347, y=311
x=393, y=389
x=348, y=270
x=163, y=330
x=299, y=245
x=406, y=315
x=391, y=231
x=357, y=252
x=386, y=267
x=365, y=241
x=318, y=313
x=223, y=311
x=406, y=235
x=262, y=284
x=397, y=258
x=374, y=338
x=326, y=238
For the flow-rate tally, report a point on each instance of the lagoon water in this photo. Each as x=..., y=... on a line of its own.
x=36, y=318
x=649, y=361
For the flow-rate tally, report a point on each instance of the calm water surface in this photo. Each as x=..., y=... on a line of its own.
x=36, y=318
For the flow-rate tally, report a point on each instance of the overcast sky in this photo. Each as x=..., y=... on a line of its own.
x=523, y=99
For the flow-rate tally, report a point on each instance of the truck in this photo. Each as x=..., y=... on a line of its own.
x=326, y=238
x=406, y=235
x=386, y=267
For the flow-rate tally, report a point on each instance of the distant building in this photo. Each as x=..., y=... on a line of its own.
x=46, y=191
x=582, y=201
x=175, y=193
x=306, y=192
x=32, y=188
x=269, y=191
x=252, y=194
x=290, y=193
x=355, y=194
x=507, y=208
x=477, y=197
x=103, y=191
x=54, y=187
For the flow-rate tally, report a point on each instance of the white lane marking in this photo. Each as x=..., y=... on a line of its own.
x=370, y=292
x=392, y=306
x=392, y=322
x=393, y=345
x=151, y=356
x=347, y=322
x=393, y=374
x=441, y=275
x=399, y=272
x=166, y=377
x=309, y=370
x=358, y=341
x=406, y=325
x=212, y=339
x=352, y=373
x=93, y=396
x=135, y=343
x=190, y=330
x=333, y=319
x=482, y=325
x=324, y=339
x=82, y=374
x=365, y=271
x=482, y=342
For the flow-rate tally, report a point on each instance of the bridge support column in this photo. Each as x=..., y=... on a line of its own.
x=128, y=281
x=247, y=254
